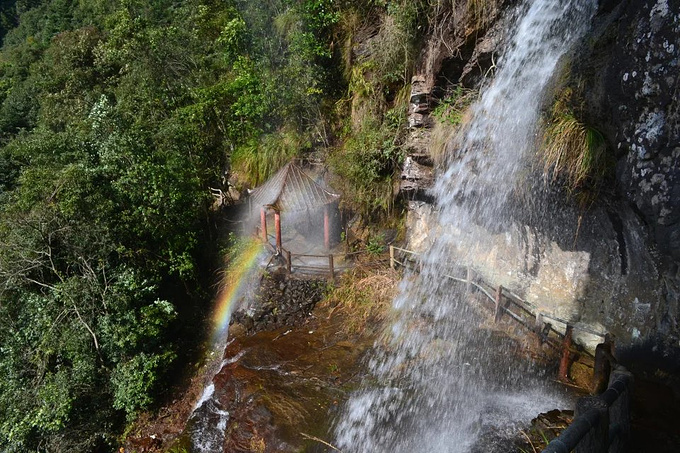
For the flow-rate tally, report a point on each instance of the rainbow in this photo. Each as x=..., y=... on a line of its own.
x=232, y=286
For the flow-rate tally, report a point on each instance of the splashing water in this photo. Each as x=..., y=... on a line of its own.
x=443, y=382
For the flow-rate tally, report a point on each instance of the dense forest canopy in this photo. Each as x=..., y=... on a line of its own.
x=116, y=118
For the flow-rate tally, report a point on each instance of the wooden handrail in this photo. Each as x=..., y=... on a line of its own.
x=528, y=307
x=602, y=423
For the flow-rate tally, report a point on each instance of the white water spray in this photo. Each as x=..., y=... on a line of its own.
x=442, y=380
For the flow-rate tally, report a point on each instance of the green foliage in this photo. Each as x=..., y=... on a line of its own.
x=376, y=245
x=134, y=380
x=385, y=65
x=573, y=150
x=115, y=119
x=366, y=164
x=452, y=107
x=256, y=161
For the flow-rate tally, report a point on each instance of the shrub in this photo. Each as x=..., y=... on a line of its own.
x=366, y=165
x=257, y=160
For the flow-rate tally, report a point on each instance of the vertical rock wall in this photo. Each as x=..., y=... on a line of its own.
x=613, y=267
x=630, y=68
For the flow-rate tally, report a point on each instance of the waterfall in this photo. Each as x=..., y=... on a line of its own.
x=439, y=381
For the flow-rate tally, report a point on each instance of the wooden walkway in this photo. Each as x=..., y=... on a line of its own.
x=328, y=265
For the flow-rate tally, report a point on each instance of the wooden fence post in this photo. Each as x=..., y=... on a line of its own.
x=468, y=280
x=331, y=266
x=391, y=256
x=563, y=374
x=538, y=326
x=499, y=296
x=596, y=440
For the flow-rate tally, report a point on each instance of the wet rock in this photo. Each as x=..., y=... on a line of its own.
x=631, y=69
x=415, y=178
x=483, y=55
x=583, y=282
x=281, y=300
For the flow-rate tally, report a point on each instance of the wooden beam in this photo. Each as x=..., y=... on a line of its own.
x=499, y=310
x=331, y=267
x=566, y=355
x=468, y=280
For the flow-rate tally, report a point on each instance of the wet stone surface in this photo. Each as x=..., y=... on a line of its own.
x=280, y=301
x=282, y=386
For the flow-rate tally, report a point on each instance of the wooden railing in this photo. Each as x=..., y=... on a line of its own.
x=294, y=263
x=505, y=302
x=601, y=423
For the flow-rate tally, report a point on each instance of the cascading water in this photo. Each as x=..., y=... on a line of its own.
x=442, y=380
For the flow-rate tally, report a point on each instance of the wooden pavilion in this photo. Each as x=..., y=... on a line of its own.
x=291, y=189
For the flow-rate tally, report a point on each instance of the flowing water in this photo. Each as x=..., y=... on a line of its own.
x=442, y=381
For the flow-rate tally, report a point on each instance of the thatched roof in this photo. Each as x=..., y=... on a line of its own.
x=290, y=189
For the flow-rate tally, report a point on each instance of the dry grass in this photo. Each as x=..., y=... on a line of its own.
x=442, y=135
x=284, y=408
x=572, y=150
x=257, y=445
x=364, y=296
x=452, y=114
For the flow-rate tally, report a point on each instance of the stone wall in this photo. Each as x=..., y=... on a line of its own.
x=578, y=276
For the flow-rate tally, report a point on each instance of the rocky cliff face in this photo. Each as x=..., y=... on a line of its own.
x=630, y=67
x=612, y=268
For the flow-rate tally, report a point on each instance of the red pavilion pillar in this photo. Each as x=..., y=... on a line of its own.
x=277, y=226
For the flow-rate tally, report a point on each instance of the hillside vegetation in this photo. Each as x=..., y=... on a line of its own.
x=116, y=117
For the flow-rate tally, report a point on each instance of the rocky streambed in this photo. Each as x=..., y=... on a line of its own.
x=291, y=361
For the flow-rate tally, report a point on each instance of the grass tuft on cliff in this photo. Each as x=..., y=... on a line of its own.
x=573, y=151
